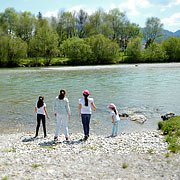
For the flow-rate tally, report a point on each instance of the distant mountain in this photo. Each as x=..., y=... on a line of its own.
x=177, y=33
x=169, y=33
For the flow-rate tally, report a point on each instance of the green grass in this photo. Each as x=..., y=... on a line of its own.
x=4, y=178
x=150, y=151
x=40, y=61
x=171, y=128
x=36, y=165
x=124, y=165
x=10, y=150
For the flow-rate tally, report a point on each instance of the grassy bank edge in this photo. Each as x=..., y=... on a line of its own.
x=171, y=129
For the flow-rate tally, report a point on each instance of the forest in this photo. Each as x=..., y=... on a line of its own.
x=77, y=38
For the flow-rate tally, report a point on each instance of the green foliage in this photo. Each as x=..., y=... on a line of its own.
x=104, y=50
x=17, y=49
x=44, y=44
x=25, y=26
x=171, y=129
x=77, y=50
x=103, y=33
x=134, y=50
x=36, y=165
x=153, y=30
x=154, y=53
x=4, y=178
x=172, y=48
x=124, y=165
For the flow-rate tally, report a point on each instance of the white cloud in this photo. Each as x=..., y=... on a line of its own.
x=170, y=5
x=131, y=6
x=51, y=13
x=77, y=8
x=173, y=20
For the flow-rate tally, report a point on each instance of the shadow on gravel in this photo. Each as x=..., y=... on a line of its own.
x=51, y=143
x=30, y=139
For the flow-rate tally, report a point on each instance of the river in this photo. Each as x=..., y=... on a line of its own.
x=148, y=89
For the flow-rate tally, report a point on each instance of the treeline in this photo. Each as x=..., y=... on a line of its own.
x=99, y=38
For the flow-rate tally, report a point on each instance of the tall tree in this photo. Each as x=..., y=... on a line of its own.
x=81, y=21
x=25, y=26
x=44, y=44
x=153, y=30
x=66, y=26
x=8, y=20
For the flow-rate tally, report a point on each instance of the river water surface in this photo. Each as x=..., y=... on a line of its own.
x=148, y=89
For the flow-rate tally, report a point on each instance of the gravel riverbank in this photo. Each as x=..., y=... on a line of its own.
x=129, y=156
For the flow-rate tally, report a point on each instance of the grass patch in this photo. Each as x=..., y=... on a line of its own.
x=92, y=148
x=10, y=150
x=150, y=151
x=167, y=155
x=171, y=128
x=124, y=165
x=48, y=147
x=4, y=178
x=36, y=165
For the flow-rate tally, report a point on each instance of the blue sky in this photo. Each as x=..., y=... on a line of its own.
x=137, y=11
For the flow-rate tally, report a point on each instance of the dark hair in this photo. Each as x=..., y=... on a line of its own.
x=115, y=110
x=62, y=94
x=86, y=99
x=40, y=102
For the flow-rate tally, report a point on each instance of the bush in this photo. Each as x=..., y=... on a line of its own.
x=171, y=46
x=104, y=50
x=154, y=53
x=171, y=128
x=77, y=50
x=134, y=50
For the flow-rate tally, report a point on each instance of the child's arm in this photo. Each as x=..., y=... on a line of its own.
x=36, y=109
x=80, y=109
x=93, y=105
x=46, y=112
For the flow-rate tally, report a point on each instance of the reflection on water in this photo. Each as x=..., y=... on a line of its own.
x=151, y=90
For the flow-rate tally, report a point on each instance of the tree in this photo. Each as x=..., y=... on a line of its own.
x=17, y=49
x=134, y=50
x=154, y=53
x=3, y=48
x=66, y=26
x=8, y=20
x=95, y=24
x=117, y=20
x=25, y=26
x=44, y=44
x=153, y=30
x=81, y=21
x=104, y=50
x=172, y=48
x=77, y=50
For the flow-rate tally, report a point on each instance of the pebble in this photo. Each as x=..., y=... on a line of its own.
x=100, y=157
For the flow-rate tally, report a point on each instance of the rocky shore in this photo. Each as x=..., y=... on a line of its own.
x=129, y=156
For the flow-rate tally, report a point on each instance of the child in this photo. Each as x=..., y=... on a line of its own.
x=85, y=111
x=62, y=113
x=41, y=111
x=115, y=119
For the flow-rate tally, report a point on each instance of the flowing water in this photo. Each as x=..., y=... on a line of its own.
x=148, y=89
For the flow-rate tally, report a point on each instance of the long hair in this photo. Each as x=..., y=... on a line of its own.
x=115, y=110
x=40, y=102
x=86, y=99
x=62, y=94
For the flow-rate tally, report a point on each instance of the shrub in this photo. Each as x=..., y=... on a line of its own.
x=171, y=128
x=154, y=53
x=104, y=50
x=77, y=50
